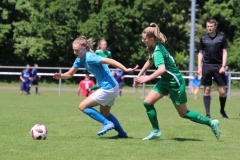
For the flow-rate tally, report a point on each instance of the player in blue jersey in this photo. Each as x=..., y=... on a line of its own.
x=105, y=96
x=35, y=78
x=196, y=82
x=120, y=76
x=26, y=78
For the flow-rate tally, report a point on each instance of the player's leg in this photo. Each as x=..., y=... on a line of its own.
x=103, y=98
x=206, y=81
x=86, y=106
x=105, y=110
x=21, y=88
x=148, y=103
x=153, y=96
x=220, y=80
x=36, y=87
x=120, y=85
x=198, y=118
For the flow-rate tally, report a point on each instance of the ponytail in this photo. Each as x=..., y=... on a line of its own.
x=154, y=32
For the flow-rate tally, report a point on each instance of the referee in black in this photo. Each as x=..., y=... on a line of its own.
x=212, y=58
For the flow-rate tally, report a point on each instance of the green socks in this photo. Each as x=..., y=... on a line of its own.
x=198, y=118
x=152, y=115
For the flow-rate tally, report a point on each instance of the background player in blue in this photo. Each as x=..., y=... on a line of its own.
x=196, y=81
x=120, y=76
x=35, y=78
x=105, y=96
x=26, y=78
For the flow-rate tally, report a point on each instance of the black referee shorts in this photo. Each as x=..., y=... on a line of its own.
x=210, y=71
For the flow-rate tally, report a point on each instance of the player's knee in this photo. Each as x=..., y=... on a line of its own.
x=147, y=106
x=81, y=107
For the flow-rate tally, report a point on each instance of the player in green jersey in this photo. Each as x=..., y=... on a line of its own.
x=103, y=52
x=171, y=82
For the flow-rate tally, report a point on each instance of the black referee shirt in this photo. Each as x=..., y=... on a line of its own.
x=213, y=48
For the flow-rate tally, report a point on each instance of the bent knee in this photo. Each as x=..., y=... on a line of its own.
x=81, y=107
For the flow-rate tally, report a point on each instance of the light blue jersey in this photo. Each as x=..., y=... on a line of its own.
x=101, y=72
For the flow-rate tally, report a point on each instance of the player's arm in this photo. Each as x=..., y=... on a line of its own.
x=116, y=64
x=161, y=69
x=224, y=57
x=146, y=66
x=79, y=90
x=31, y=77
x=66, y=75
x=224, y=61
x=200, y=57
x=21, y=78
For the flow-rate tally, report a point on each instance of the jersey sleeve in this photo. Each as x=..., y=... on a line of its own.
x=200, y=46
x=158, y=58
x=109, y=54
x=225, y=44
x=77, y=63
x=93, y=58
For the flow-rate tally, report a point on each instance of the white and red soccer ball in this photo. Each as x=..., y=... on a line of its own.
x=39, y=132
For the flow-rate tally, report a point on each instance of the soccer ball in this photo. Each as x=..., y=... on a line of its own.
x=39, y=132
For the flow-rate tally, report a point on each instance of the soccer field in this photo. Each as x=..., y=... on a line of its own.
x=73, y=135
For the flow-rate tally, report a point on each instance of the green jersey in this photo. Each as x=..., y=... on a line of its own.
x=161, y=56
x=106, y=54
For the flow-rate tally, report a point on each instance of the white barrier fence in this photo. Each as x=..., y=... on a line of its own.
x=60, y=69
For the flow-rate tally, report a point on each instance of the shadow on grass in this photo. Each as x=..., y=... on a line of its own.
x=186, y=139
x=109, y=138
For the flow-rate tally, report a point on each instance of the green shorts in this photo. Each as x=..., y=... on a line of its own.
x=177, y=93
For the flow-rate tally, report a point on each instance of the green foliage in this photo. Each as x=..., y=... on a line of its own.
x=42, y=31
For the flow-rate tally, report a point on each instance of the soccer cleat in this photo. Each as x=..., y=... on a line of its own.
x=224, y=115
x=215, y=128
x=119, y=136
x=153, y=135
x=105, y=128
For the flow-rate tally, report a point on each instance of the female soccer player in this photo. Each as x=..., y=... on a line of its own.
x=107, y=93
x=171, y=82
x=103, y=52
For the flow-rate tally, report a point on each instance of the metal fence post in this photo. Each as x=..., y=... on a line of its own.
x=60, y=84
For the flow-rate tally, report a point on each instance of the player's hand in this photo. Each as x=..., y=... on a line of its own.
x=132, y=69
x=135, y=84
x=141, y=79
x=23, y=80
x=57, y=76
x=222, y=70
x=200, y=71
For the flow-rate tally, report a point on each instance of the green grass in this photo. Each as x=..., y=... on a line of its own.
x=72, y=134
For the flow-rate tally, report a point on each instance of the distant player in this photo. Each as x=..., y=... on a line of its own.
x=195, y=85
x=35, y=78
x=120, y=76
x=26, y=77
x=84, y=85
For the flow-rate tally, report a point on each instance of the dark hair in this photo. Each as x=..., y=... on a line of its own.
x=211, y=20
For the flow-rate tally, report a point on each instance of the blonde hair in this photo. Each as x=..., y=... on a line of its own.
x=83, y=41
x=154, y=32
x=99, y=43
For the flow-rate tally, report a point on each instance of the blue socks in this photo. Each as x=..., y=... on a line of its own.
x=116, y=123
x=94, y=114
